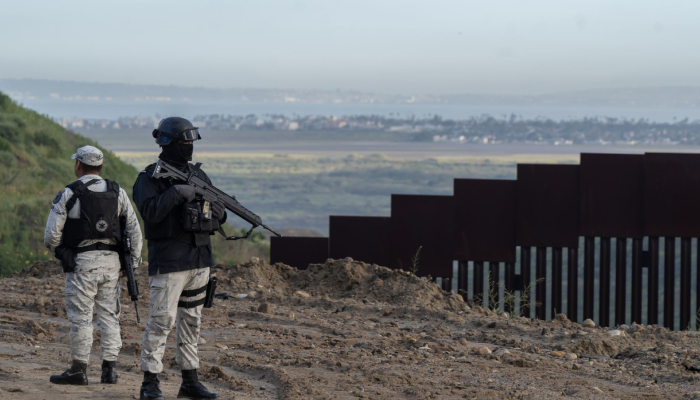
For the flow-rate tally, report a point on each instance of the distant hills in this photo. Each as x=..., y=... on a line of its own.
x=33, y=89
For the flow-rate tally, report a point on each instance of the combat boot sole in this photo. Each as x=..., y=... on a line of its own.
x=66, y=378
x=145, y=397
x=208, y=395
x=185, y=396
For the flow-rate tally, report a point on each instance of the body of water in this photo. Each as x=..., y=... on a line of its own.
x=114, y=110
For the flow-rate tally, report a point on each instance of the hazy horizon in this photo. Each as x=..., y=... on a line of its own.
x=553, y=92
x=440, y=47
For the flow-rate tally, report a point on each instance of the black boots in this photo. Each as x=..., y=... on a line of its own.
x=192, y=389
x=149, y=388
x=109, y=375
x=76, y=375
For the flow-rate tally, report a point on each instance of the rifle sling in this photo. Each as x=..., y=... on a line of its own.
x=221, y=231
x=79, y=188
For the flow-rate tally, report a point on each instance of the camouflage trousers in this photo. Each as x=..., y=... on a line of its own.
x=94, y=284
x=166, y=291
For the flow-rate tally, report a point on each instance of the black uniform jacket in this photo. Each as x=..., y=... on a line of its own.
x=170, y=248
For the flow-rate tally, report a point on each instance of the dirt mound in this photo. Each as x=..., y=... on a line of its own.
x=596, y=347
x=353, y=279
x=42, y=269
x=343, y=279
x=346, y=329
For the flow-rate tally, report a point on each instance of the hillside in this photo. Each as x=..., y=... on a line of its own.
x=35, y=163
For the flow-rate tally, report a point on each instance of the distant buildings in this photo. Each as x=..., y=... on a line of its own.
x=481, y=130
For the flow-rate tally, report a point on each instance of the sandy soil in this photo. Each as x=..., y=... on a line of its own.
x=347, y=330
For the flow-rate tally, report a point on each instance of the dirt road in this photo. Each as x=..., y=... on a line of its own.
x=346, y=330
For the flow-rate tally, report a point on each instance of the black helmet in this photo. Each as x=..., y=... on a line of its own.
x=175, y=128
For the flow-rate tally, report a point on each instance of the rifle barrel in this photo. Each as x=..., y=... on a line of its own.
x=211, y=193
x=136, y=307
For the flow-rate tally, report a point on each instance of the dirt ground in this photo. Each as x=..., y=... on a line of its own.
x=347, y=330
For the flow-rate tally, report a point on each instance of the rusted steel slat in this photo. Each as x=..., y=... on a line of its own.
x=572, y=285
x=479, y=281
x=446, y=284
x=653, y=287
x=541, y=260
x=556, y=281
x=588, y=277
x=637, y=280
x=525, y=278
x=494, y=284
x=685, y=283
x=697, y=269
x=297, y=251
x=604, y=310
x=669, y=281
x=508, y=281
x=620, y=281
x=463, y=278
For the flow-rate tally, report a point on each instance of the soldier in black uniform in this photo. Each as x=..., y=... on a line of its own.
x=179, y=257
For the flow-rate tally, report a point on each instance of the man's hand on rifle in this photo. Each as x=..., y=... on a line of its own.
x=187, y=193
x=217, y=210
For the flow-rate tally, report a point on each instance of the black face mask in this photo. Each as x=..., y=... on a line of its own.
x=177, y=154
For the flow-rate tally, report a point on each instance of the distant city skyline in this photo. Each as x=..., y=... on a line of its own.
x=391, y=47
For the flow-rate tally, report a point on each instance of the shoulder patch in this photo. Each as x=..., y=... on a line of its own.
x=149, y=169
x=58, y=197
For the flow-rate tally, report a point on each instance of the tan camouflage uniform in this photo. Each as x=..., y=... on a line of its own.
x=165, y=314
x=95, y=281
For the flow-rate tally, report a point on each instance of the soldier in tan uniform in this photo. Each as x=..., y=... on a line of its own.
x=83, y=232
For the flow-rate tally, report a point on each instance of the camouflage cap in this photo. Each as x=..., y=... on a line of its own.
x=89, y=155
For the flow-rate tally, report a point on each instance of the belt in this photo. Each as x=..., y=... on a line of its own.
x=96, y=246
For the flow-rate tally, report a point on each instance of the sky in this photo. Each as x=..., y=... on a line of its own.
x=381, y=46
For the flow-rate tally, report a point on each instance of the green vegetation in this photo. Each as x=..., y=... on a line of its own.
x=516, y=305
x=35, y=164
x=415, y=261
x=235, y=251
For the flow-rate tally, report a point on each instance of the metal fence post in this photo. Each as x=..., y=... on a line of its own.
x=572, y=285
x=620, y=280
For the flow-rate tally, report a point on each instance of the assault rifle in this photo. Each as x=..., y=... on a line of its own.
x=128, y=266
x=211, y=194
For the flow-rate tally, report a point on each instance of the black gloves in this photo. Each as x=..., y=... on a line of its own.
x=217, y=210
x=186, y=193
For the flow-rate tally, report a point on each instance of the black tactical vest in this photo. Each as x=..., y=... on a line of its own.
x=99, y=213
x=172, y=227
